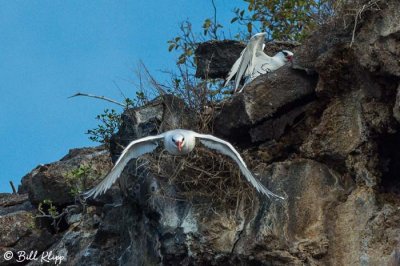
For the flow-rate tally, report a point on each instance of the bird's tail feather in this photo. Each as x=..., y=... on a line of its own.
x=262, y=189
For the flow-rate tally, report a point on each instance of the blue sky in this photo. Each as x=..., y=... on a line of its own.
x=50, y=50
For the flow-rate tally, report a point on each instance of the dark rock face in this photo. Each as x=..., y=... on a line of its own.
x=341, y=131
x=378, y=41
x=50, y=181
x=262, y=107
x=323, y=133
x=214, y=59
x=14, y=202
x=298, y=229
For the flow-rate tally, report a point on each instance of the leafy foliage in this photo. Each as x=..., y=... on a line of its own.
x=79, y=177
x=46, y=206
x=140, y=100
x=49, y=211
x=283, y=19
x=210, y=28
x=186, y=43
x=110, y=121
x=196, y=93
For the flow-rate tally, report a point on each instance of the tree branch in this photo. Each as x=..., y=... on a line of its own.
x=13, y=187
x=98, y=97
x=215, y=20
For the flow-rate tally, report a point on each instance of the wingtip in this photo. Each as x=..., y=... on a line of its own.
x=240, y=89
x=281, y=198
x=278, y=197
x=92, y=193
x=270, y=194
x=86, y=195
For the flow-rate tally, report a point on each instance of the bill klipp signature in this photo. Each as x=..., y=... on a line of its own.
x=34, y=255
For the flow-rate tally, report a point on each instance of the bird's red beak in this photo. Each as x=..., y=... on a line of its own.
x=290, y=58
x=179, y=144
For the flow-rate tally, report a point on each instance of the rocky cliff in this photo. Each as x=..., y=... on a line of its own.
x=323, y=132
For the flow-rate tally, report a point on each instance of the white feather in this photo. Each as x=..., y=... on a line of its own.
x=135, y=149
x=234, y=68
x=227, y=149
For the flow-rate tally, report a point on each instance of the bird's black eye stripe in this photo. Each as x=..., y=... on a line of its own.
x=285, y=53
x=183, y=139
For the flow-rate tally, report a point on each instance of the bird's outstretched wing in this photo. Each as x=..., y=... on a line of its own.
x=226, y=148
x=244, y=65
x=135, y=149
x=234, y=68
x=240, y=66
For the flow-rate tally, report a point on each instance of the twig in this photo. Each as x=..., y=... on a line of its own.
x=44, y=215
x=120, y=91
x=215, y=20
x=151, y=79
x=13, y=187
x=98, y=97
x=366, y=6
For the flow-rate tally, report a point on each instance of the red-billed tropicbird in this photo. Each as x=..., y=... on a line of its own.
x=176, y=142
x=254, y=62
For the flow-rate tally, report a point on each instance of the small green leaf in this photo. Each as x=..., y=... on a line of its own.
x=182, y=59
x=249, y=27
x=207, y=23
x=171, y=47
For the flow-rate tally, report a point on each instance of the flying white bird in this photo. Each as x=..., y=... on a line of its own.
x=254, y=62
x=176, y=142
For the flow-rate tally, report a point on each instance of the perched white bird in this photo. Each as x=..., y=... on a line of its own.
x=176, y=142
x=254, y=62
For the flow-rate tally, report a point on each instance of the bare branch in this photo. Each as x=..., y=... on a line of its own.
x=215, y=20
x=368, y=6
x=98, y=97
x=151, y=79
x=13, y=187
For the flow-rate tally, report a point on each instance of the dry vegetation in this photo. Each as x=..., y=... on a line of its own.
x=351, y=11
x=205, y=179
